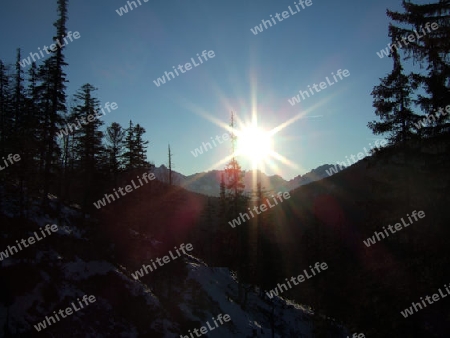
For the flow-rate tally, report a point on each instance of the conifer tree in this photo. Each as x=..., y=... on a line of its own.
x=21, y=133
x=263, y=221
x=209, y=229
x=234, y=178
x=115, y=135
x=223, y=203
x=6, y=123
x=30, y=139
x=432, y=52
x=140, y=147
x=5, y=116
x=88, y=139
x=392, y=99
x=135, y=155
x=54, y=96
x=170, y=165
x=237, y=203
x=68, y=153
x=224, y=236
x=129, y=157
x=19, y=96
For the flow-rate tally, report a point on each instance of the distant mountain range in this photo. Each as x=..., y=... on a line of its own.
x=209, y=183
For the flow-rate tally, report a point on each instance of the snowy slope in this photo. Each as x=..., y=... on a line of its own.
x=69, y=264
x=221, y=288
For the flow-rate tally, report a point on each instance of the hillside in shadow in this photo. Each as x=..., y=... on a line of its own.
x=325, y=221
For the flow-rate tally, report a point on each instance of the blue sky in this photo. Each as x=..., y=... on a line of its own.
x=123, y=55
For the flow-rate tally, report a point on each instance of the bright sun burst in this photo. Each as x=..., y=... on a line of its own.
x=255, y=144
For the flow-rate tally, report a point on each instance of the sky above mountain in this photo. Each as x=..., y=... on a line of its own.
x=249, y=73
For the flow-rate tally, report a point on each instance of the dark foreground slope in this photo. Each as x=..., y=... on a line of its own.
x=368, y=287
x=88, y=256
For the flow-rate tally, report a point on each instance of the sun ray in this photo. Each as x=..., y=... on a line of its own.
x=213, y=167
x=297, y=117
x=203, y=113
x=254, y=144
x=284, y=160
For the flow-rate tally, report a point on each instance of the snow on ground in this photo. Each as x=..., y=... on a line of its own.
x=221, y=287
x=206, y=293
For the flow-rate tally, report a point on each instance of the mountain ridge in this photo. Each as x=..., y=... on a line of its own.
x=208, y=183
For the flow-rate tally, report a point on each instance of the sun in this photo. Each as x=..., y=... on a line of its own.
x=254, y=143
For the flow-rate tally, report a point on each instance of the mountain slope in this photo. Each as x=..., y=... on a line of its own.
x=75, y=261
x=208, y=183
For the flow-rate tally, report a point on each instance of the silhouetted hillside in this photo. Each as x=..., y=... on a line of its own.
x=208, y=183
x=367, y=287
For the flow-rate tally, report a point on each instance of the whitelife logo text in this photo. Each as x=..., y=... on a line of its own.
x=105, y=200
x=166, y=259
x=360, y=155
x=411, y=38
x=417, y=306
x=187, y=66
x=31, y=240
x=262, y=207
x=199, y=151
x=12, y=159
x=319, y=267
x=123, y=10
x=204, y=329
x=26, y=62
x=380, y=235
x=284, y=14
x=64, y=313
x=90, y=118
x=323, y=85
